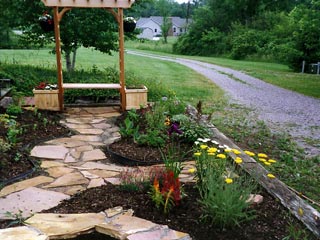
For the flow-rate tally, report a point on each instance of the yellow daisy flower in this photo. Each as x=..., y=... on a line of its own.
x=262, y=160
x=270, y=175
x=229, y=180
x=262, y=155
x=251, y=154
x=238, y=160
x=267, y=163
x=222, y=156
x=212, y=150
x=236, y=151
x=272, y=161
x=197, y=153
x=191, y=170
x=227, y=150
x=202, y=146
x=211, y=154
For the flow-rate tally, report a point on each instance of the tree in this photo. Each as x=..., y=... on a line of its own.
x=164, y=9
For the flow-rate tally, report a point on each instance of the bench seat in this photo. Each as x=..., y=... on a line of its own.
x=91, y=86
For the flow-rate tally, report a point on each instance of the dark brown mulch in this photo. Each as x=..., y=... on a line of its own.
x=35, y=127
x=272, y=219
x=272, y=222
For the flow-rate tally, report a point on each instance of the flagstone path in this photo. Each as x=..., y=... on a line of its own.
x=74, y=164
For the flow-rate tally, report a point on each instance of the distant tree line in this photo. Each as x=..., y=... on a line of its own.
x=285, y=31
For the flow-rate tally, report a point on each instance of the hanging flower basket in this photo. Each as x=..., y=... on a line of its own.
x=129, y=24
x=46, y=22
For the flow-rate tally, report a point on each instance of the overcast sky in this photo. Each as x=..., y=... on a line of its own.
x=181, y=1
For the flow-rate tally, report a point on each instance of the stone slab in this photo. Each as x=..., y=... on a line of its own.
x=97, y=182
x=84, y=148
x=93, y=155
x=90, y=131
x=21, y=233
x=69, y=190
x=58, y=171
x=29, y=201
x=32, y=182
x=87, y=138
x=66, y=142
x=49, y=164
x=96, y=165
x=49, y=152
x=103, y=173
x=161, y=233
x=102, y=125
x=89, y=175
x=77, y=126
x=63, y=226
x=114, y=181
x=74, y=178
x=124, y=225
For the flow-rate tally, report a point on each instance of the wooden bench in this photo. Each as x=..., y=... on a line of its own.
x=91, y=86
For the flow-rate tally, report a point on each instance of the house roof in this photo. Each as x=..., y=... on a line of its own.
x=177, y=21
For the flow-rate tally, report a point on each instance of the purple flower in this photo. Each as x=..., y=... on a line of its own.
x=174, y=128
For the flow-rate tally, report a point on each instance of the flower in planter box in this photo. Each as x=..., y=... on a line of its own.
x=129, y=24
x=46, y=22
x=46, y=86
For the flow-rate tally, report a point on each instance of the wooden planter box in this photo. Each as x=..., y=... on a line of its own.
x=46, y=99
x=135, y=98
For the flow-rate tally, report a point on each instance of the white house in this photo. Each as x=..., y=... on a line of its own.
x=151, y=26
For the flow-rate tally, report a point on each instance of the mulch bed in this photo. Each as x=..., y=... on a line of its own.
x=36, y=127
x=272, y=220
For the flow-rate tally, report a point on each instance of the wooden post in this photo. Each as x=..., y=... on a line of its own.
x=318, y=68
x=121, y=59
x=58, y=55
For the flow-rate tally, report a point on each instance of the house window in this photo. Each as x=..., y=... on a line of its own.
x=155, y=30
x=181, y=30
x=174, y=29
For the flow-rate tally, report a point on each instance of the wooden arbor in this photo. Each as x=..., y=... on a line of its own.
x=113, y=6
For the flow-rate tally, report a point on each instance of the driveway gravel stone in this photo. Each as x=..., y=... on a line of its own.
x=282, y=110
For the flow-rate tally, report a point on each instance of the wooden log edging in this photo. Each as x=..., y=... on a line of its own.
x=300, y=208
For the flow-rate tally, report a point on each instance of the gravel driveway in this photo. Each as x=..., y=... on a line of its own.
x=281, y=109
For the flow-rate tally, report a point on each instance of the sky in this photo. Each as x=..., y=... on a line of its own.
x=181, y=1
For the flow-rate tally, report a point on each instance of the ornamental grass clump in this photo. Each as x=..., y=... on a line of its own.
x=223, y=191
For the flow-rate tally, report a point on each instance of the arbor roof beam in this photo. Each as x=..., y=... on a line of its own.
x=89, y=3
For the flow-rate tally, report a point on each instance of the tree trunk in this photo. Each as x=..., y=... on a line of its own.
x=74, y=56
x=68, y=61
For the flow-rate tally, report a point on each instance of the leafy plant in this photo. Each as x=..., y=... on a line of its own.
x=153, y=138
x=129, y=129
x=14, y=110
x=223, y=193
x=18, y=218
x=4, y=146
x=166, y=191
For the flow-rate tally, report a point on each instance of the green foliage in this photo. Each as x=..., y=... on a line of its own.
x=129, y=129
x=152, y=138
x=18, y=218
x=223, y=193
x=191, y=130
x=14, y=110
x=4, y=146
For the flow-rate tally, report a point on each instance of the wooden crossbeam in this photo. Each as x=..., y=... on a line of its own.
x=91, y=85
x=89, y=3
